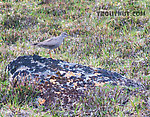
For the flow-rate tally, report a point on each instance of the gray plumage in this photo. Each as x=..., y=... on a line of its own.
x=53, y=42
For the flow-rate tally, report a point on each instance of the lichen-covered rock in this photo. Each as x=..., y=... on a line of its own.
x=59, y=79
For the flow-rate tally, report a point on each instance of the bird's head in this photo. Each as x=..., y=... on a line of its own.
x=64, y=34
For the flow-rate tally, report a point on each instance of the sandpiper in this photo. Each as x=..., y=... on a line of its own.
x=53, y=42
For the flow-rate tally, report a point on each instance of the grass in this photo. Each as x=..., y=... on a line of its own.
x=118, y=44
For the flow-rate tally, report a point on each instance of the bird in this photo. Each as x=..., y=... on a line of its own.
x=52, y=43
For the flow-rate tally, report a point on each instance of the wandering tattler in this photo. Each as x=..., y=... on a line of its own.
x=53, y=42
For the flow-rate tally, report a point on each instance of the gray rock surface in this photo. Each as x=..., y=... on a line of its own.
x=60, y=79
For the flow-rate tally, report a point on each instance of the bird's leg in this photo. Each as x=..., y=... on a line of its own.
x=56, y=51
x=50, y=54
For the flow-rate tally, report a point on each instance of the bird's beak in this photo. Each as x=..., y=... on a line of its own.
x=68, y=36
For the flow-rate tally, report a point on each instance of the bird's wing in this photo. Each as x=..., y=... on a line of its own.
x=48, y=42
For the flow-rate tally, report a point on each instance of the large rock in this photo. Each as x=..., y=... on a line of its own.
x=60, y=79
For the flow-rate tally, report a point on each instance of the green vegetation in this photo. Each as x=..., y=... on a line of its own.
x=120, y=44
